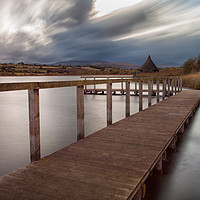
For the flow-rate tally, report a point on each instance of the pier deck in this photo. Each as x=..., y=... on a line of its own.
x=110, y=164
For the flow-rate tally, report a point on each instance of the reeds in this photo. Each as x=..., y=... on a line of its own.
x=192, y=81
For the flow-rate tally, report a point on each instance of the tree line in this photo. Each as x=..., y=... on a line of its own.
x=192, y=65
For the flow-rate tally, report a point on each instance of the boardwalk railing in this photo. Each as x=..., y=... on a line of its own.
x=170, y=86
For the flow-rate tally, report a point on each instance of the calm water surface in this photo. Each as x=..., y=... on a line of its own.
x=58, y=119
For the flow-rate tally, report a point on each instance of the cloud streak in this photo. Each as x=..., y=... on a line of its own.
x=52, y=31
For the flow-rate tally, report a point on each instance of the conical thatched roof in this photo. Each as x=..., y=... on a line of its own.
x=149, y=66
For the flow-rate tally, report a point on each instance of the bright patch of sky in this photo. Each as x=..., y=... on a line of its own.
x=104, y=7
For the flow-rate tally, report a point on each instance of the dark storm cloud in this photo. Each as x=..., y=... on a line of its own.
x=52, y=31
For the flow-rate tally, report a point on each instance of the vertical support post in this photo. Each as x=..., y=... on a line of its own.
x=135, y=87
x=109, y=104
x=127, y=99
x=181, y=84
x=164, y=89
x=138, y=195
x=178, y=79
x=149, y=92
x=80, y=112
x=169, y=88
x=140, y=96
x=175, y=85
x=122, y=87
x=94, y=86
x=34, y=124
x=158, y=166
x=172, y=86
x=85, y=91
x=157, y=85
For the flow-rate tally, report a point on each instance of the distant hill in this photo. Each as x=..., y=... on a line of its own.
x=101, y=63
x=79, y=62
x=122, y=65
x=169, y=64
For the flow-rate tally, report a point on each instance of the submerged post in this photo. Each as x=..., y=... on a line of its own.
x=80, y=112
x=149, y=92
x=109, y=104
x=127, y=99
x=34, y=124
x=140, y=96
x=157, y=85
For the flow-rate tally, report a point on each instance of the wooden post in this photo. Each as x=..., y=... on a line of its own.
x=173, y=143
x=181, y=84
x=149, y=92
x=135, y=87
x=178, y=79
x=34, y=124
x=109, y=104
x=85, y=91
x=157, y=85
x=127, y=99
x=164, y=87
x=158, y=166
x=138, y=195
x=140, y=96
x=94, y=86
x=80, y=112
x=169, y=86
x=175, y=85
x=172, y=86
x=122, y=87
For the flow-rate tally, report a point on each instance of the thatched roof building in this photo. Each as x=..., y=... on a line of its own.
x=149, y=66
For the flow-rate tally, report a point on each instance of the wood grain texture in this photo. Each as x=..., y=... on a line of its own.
x=112, y=163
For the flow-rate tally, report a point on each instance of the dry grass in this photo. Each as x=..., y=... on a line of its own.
x=192, y=81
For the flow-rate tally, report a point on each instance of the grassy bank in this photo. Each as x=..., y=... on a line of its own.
x=192, y=81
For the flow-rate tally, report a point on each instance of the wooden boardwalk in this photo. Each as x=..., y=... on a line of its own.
x=112, y=163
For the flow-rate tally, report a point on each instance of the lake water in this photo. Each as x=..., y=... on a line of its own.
x=57, y=115
x=58, y=129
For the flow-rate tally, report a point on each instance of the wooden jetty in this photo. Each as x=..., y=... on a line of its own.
x=112, y=163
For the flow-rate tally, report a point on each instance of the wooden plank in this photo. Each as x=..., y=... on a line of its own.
x=80, y=112
x=34, y=124
x=109, y=104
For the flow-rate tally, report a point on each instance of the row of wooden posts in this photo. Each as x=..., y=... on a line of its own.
x=170, y=86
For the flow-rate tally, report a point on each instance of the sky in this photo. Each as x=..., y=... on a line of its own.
x=50, y=31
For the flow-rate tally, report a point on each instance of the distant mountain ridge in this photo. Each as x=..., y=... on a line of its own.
x=103, y=63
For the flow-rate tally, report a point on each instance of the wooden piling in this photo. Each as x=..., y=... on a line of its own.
x=140, y=96
x=80, y=112
x=149, y=92
x=158, y=166
x=163, y=89
x=169, y=88
x=127, y=99
x=34, y=124
x=157, y=85
x=175, y=85
x=109, y=104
